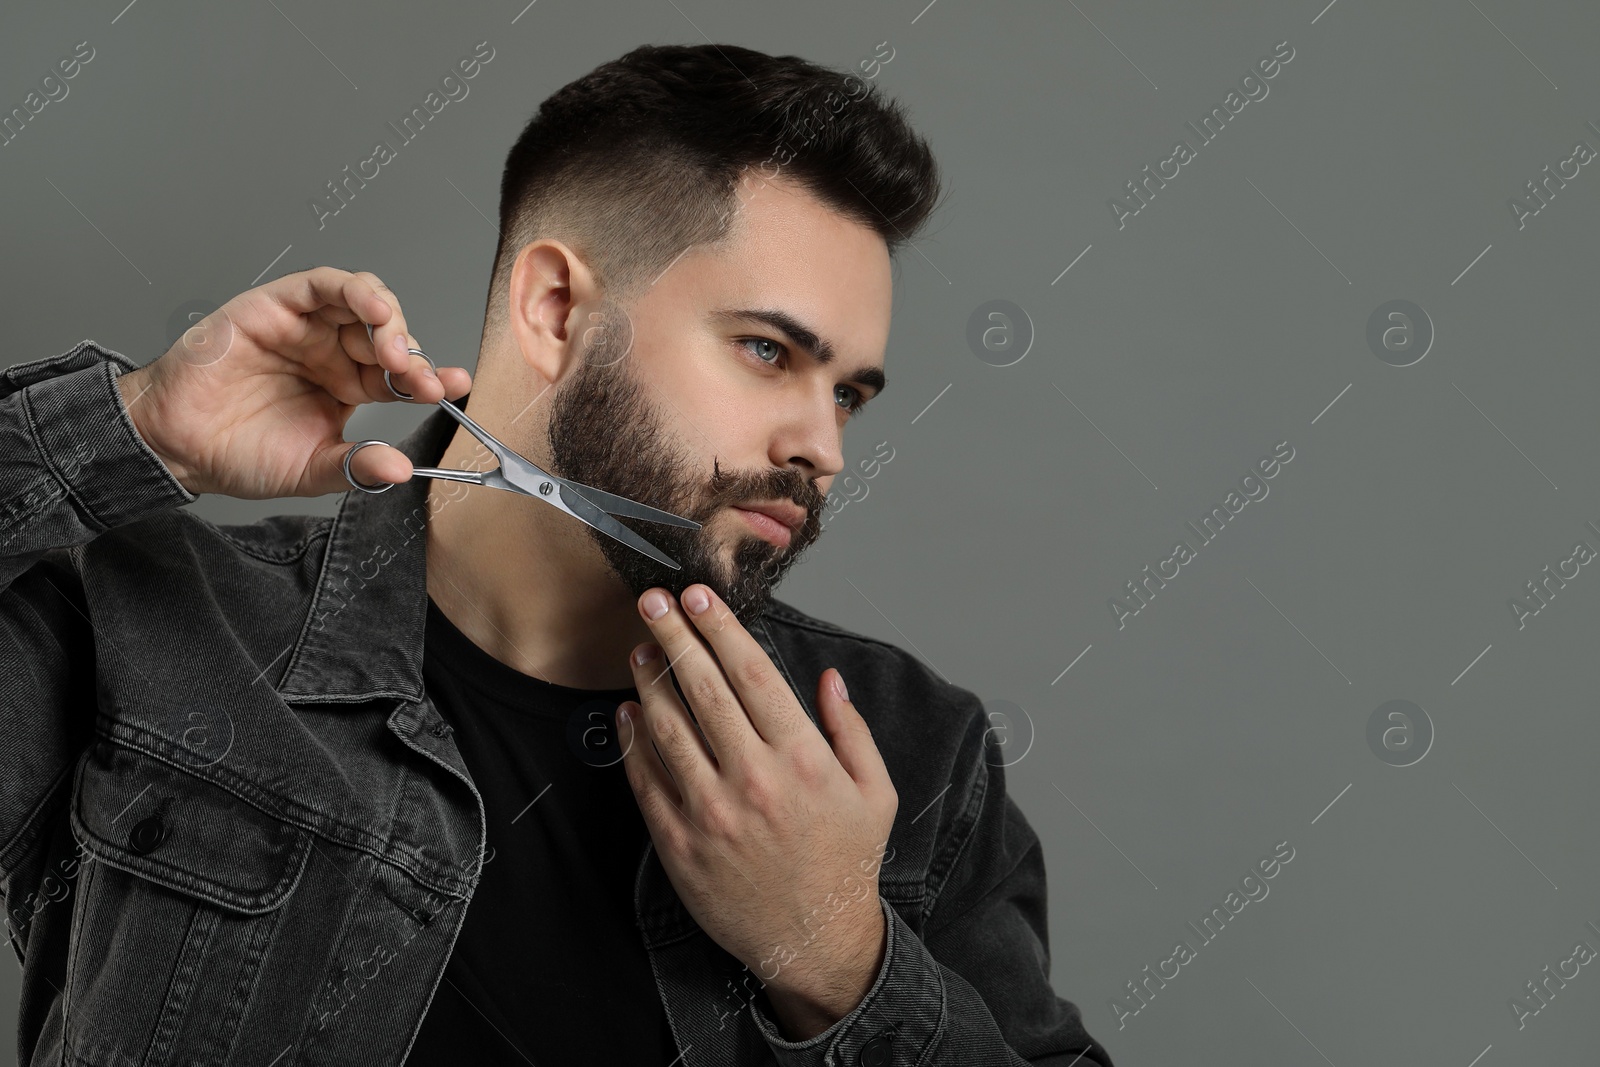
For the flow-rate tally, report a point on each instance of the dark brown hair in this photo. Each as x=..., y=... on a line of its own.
x=642, y=157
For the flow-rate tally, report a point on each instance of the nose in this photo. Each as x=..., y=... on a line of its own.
x=808, y=434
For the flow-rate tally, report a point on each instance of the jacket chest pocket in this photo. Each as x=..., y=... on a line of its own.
x=180, y=897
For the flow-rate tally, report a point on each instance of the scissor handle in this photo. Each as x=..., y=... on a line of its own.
x=473, y=477
x=484, y=436
x=352, y=478
x=407, y=396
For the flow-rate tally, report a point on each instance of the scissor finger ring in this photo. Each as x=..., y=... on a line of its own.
x=352, y=478
x=407, y=396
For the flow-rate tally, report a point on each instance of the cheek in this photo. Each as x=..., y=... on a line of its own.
x=704, y=405
x=723, y=396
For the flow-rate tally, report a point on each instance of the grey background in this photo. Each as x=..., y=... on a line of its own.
x=1225, y=317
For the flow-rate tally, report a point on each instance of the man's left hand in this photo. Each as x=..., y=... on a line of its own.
x=771, y=834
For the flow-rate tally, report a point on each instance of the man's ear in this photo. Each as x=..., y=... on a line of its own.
x=551, y=289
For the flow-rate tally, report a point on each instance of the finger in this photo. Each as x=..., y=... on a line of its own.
x=769, y=704
x=452, y=382
x=307, y=292
x=849, y=733
x=419, y=380
x=347, y=305
x=328, y=290
x=353, y=382
x=652, y=785
x=667, y=723
x=374, y=465
x=390, y=338
x=716, y=706
x=355, y=338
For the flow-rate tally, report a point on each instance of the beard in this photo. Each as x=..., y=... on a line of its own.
x=605, y=431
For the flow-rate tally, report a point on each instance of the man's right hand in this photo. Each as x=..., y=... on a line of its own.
x=252, y=401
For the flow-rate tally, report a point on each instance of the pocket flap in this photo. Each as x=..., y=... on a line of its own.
x=145, y=816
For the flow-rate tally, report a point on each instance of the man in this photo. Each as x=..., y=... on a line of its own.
x=452, y=777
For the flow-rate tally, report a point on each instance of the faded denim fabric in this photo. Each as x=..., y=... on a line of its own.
x=234, y=830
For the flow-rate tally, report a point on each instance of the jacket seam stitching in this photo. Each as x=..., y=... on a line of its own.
x=115, y=370
x=228, y=1028
x=356, y=899
x=292, y=554
x=818, y=626
x=942, y=1027
x=974, y=805
x=316, y=596
x=279, y=891
x=358, y=835
x=37, y=439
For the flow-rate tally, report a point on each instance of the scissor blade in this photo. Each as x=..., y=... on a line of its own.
x=525, y=476
x=621, y=505
x=580, y=507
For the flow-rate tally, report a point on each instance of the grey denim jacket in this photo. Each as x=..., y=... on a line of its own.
x=235, y=830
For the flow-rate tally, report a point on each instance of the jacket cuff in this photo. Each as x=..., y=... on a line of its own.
x=894, y=1023
x=77, y=416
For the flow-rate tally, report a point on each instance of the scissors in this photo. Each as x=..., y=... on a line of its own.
x=518, y=475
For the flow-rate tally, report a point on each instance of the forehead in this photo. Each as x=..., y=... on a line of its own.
x=787, y=250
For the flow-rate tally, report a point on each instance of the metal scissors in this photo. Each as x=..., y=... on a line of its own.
x=518, y=475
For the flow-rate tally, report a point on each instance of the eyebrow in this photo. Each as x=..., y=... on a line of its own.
x=803, y=336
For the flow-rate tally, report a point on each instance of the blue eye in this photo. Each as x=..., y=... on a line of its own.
x=765, y=341
x=853, y=405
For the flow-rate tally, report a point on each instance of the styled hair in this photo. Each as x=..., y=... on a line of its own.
x=642, y=157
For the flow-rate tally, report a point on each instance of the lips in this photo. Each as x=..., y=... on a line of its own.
x=791, y=515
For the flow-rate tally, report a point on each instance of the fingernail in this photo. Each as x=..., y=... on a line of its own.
x=695, y=600
x=655, y=604
x=838, y=686
x=622, y=714
x=645, y=653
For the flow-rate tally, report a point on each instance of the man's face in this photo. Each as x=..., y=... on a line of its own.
x=688, y=408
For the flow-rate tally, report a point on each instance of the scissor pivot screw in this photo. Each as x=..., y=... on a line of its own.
x=545, y=488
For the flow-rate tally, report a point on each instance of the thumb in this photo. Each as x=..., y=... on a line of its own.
x=374, y=464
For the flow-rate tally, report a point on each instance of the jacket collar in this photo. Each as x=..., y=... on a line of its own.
x=363, y=637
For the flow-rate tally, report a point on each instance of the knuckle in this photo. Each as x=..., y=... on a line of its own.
x=759, y=793
x=664, y=731
x=719, y=818
x=706, y=691
x=678, y=842
x=755, y=675
x=807, y=765
x=889, y=798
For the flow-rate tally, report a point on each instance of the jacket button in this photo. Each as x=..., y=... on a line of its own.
x=875, y=1053
x=147, y=835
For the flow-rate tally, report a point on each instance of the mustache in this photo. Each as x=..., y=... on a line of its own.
x=786, y=483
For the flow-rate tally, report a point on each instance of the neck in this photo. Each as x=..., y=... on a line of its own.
x=524, y=582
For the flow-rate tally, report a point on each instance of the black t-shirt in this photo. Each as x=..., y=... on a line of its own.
x=549, y=962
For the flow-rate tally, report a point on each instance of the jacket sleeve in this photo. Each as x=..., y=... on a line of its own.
x=974, y=989
x=72, y=466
